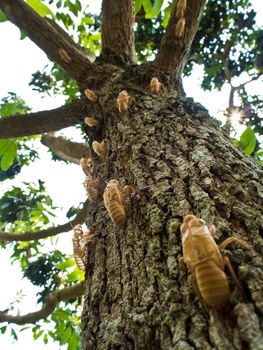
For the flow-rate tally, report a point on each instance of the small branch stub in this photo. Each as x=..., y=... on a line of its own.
x=123, y=101
x=91, y=95
x=100, y=148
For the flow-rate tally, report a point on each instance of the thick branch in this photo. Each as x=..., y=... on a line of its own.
x=41, y=122
x=174, y=51
x=52, y=300
x=32, y=236
x=117, y=29
x=66, y=149
x=48, y=36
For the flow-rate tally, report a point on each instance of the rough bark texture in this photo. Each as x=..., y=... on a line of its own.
x=181, y=162
x=173, y=52
x=117, y=30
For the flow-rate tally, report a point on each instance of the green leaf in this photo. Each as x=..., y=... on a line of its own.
x=3, y=329
x=152, y=11
x=73, y=342
x=76, y=275
x=96, y=36
x=13, y=334
x=259, y=153
x=66, y=335
x=37, y=335
x=138, y=5
x=166, y=16
x=3, y=17
x=45, y=339
x=88, y=20
x=22, y=35
x=3, y=146
x=8, y=109
x=248, y=140
x=40, y=8
x=65, y=264
x=9, y=156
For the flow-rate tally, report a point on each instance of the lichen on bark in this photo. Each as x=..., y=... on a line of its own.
x=180, y=161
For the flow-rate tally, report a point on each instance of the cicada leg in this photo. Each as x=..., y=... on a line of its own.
x=229, y=240
x=227, y=263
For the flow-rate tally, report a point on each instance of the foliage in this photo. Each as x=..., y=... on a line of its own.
x=228, y=45
x=42, y=272
x=12, y=104
x=11, y=172
x=26, y=209
x=14, y=153
x=247, y=141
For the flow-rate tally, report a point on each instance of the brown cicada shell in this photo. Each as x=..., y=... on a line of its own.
x=93, y=188
x=86, y=165
x=80, y=241
x=100, y=148
x=114, y=203
x=179, y=29
x=123, y=101
x=91, y=122
x=155, y=86
x=64, y=55
x=204, y=260
x=180, y=8
x=91, y=95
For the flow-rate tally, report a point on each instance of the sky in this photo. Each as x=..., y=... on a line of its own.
x=19, y=59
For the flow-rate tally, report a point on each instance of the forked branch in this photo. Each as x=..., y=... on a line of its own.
x=33, y=236
x=46, y=34
x=66, y=149
x=41, y=122
x=174, y=51
x=117, y=29
x=52, y=300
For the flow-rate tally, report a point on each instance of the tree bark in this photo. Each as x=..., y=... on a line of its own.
x=180, y=162
x=44, y=121
x=173, y=52
x=50, y=305
x=49, y=232
x=65, y=149
x=117, y=30
x=46, y=34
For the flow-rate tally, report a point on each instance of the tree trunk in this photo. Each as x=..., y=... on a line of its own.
x=180, y=162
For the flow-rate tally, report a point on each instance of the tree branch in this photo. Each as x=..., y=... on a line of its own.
x=66, y=149
x=41, y=122
x=117, y=29
x=52, y=300
x=231, y=106
x=33, y=236
x=46, y=34
x=174, y=51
